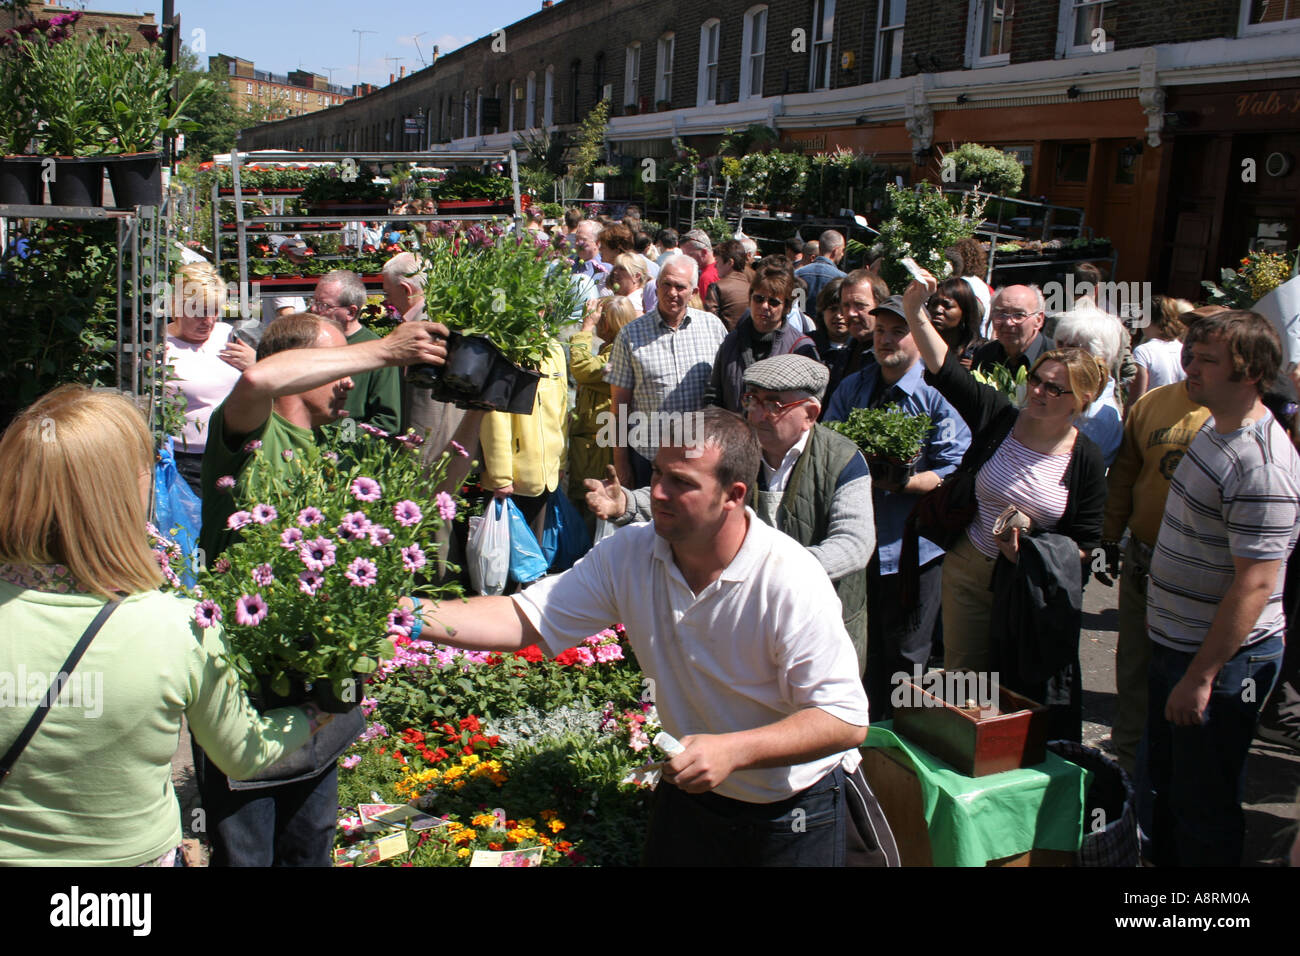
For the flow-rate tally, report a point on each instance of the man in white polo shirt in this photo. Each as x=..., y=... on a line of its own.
x=740, y=630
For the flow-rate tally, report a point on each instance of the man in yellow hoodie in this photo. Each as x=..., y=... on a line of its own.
x=522, y=453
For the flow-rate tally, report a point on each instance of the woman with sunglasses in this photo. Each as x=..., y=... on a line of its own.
x=1031, y=457
x=761, y=333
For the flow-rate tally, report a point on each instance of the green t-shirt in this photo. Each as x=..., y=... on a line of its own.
x=219, y=459
x=376, y=398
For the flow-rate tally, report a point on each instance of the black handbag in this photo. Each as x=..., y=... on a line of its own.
x=52, y=693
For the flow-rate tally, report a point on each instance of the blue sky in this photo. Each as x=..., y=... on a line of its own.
x=281, y=35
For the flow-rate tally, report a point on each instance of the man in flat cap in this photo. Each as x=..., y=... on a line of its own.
x=900, y=636
x=813, y=483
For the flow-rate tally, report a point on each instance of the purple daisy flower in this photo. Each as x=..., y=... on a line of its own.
x=250, y=610
x=238, y=520
x=290, y=538
x=310, y=516
x=221, y=566
x=446, y=506
x=354, y=526
x=309, y=582
x=362, y=573
x=413, y=558
x=264, y=514
x=407, y=513
x=459, y=449
x=400, y=622
x=225, y=482
x=263, y=576
x=207, y=614
x=371, y=429
x=366, y=489
x=253, y=445
x=379, y=535
x=317, y=554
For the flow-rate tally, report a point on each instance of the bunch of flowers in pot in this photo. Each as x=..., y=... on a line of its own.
x=1258, y=274
x=309, y=594
x=923, y=224
x=890, y=440
x=507, y=297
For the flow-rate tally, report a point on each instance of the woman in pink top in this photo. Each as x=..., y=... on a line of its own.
x=205, y=360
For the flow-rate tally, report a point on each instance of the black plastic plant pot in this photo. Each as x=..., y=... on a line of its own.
x=267, y=699
x=890, y=471
x=78, y=181
x=523, y=389
x=136, y=179
x=338, y=700
x=469, y=363
x=20, y=181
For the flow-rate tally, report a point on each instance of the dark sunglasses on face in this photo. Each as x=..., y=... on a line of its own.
x=771, y=301
x=1049, y=387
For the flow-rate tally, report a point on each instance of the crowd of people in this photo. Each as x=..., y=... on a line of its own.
x=1176, y=451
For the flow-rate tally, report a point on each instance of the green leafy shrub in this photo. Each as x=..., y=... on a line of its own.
x=924, y=223
x=885, y=432
x=994, y=170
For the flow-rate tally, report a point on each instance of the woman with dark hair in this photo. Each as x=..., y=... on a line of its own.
x=761, y=333
x=957, y=314
x=839, y=349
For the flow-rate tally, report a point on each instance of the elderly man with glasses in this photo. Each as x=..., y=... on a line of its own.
x=1018, y=312
x=813, y=483
x=376, y=397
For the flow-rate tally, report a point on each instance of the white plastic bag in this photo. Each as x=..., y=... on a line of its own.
x=489, y=550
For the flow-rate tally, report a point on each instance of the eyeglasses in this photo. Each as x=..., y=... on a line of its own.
x=771, y=301
x=768, y=406
x=1016, y=317
x=1050, y=388
x=318, y=306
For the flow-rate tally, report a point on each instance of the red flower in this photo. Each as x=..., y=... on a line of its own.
x=412, y=736
x=567, y=658
x=471, y=724
x=532, y=653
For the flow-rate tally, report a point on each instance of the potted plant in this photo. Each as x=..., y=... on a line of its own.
x=924, y=223
x=507, y=297
x=988, y=168
x=20, y=172
x=308, y=594
x=890, y=440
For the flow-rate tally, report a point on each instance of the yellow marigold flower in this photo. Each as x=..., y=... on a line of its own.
x=453, y=826
x=545, y=841
x=464, y=852
x=458, y=784
x=453, y=772
x=556, y=826
x=549, y=814
x=469, y=760
x=528, y=822
x=484, y=820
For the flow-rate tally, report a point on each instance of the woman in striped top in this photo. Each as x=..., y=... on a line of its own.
x=1031, y=457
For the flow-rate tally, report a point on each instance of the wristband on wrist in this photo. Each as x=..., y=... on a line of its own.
x=418, y=626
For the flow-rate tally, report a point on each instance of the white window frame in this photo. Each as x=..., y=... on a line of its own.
x=822, y=10
x=530, y=101
x=886, y=34
x=665, y=54
x=631, y=73
x=548, y=101
x=248, y=88
x=1246, y=28
x=753, y=62
x=706, y=91
x=1070, y=10
x=975, y=37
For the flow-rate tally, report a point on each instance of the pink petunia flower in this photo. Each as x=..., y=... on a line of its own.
x=264, y=514
x=413, y=558
x=446, y=505
x=366, y=489
x=238, y=520
x=317, y=554
x=584, y=656
x=608, y=653
x=310, y=516
x=207, y=614
x=309, y=582
x=349, y=762
x=362, y=573
x=290, y=538
x=407, y=513
x=263, y=576
x=250, y=610
x=225, y=483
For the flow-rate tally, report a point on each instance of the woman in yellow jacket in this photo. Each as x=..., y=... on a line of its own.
x=522, y=454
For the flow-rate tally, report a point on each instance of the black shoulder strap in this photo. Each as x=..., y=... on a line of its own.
x=52, y=694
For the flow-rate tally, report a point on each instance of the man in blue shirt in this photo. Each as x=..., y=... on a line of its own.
x=899, y=638
x=826, y=266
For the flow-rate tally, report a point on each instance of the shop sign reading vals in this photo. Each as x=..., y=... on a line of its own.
x=1268, y=104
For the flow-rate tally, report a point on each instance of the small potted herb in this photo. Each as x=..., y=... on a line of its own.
x=890, y=440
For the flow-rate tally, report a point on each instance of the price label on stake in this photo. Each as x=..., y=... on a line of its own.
x=668, y=744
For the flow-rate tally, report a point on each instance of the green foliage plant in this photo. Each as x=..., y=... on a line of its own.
x=886, y=432
x=923, y=224
x=992, y=169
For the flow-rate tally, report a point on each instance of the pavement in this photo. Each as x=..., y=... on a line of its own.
x=1272, y=772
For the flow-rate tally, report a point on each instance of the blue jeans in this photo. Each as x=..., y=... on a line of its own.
x=291, y=824
x=1196, y=775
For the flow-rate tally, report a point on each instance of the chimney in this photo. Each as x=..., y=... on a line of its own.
x=391, y=78
x=547, y=3
x=401, y=72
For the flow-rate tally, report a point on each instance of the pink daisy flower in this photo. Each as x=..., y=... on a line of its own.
x=225, y=483
x=446, y=506
x=207, y=614
x=317, y=554
x=361, y=573
x=290, y=538
x=459, y=449
x=310, y=516
x=264, y=514
x=400, y=622
x=250, y=610
x=372, y=430
x=407, y=513
x=221, y=566
x=263, y=576
x=413, y=558
x=309, y=582
x=366, y=489
x=379, y=535
x=238, y=520
x=354, y=525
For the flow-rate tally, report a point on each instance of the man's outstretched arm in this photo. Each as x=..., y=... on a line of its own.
x=477, y=624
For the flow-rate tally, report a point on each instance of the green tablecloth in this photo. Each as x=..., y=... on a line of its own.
x=973, y=820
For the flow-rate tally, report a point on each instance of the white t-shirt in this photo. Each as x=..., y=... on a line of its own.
x=1162, y=360
x=205, y=381
x=762, y=642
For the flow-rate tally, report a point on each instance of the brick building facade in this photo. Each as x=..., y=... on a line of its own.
x=294, y=94
x=1116, y=105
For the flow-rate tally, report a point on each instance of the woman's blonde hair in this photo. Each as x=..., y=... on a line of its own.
x=633, y=265
x=199, y=290
x=618, y=311
x=1088, y=373
x=70, y=490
